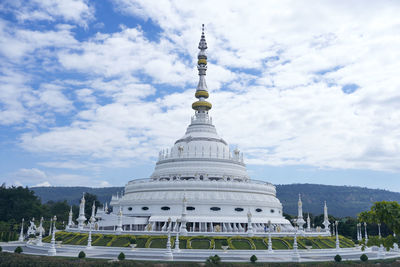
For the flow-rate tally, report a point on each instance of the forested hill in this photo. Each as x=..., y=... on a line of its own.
x=342, y=200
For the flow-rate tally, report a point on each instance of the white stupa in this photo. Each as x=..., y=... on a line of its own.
x=199, y=184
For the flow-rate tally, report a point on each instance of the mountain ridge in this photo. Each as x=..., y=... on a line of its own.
x=342, y=201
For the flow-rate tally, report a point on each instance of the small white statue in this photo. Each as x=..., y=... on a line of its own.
x=32, y=228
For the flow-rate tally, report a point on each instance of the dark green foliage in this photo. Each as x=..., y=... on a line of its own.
x=89, y=199
x=17, y=203
x=214, y=259
x=132, y=240
x=253, y=258
x=363, y=257
x=338, y=258
x=18, y=250
x=31, y=236
x=121, y=256
x=308, y=242
x=224, y=242
x=1, y=249
x=386, y=212
x=342, y=200
x=81, y=255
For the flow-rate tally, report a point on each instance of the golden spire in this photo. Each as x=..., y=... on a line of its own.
x=201, y=93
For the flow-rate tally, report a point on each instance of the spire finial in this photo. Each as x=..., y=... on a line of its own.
x=202, y=106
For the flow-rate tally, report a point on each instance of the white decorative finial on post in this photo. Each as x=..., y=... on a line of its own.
x=177, y=249
x=300, y=221
x=366, y=234
x=82, y=218
x=39, y=242
x=70, y=218
x=269, y=238
x=93, y=217
x=308, y=222
x=89, y=244
x=326, y=222
x=21, y=234
x=183, y=217
x=337, y=236
x=119, y=224
x=249, y=224
x=168, y=252
x=295, y=255
x=52, y=251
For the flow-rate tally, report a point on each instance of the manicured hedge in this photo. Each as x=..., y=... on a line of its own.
x=198, y=242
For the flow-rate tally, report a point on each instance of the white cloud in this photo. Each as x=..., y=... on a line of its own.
x=44, y=184
x=275, y=73
x=76, y=11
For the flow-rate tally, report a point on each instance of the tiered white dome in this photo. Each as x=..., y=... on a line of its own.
x=210, y=179
x=200, y=155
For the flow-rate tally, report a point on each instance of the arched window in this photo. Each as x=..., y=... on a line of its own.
x=215, y=208
x=145, y=208
x=239, y=209
x=259, y=210
x=272, y=211
x=130, y=208
x=165, y=208
x=190, y=208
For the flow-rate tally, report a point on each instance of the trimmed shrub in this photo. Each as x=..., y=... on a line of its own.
x=81, y=255
x=363, y=257
x=253, y=258
x=214, y=259
x=18, y=250
x=121, y=256
x=338, y=258
x=308, y=242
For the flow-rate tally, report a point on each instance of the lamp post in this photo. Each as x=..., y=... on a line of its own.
x=39, y=242
x=52, y=251
x=89, y=243
x=337, y=236
x=379, y=230
x=269, y=238
x=21, y=234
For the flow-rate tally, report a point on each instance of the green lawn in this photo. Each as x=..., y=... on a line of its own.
x=260, y=244
x=158, y=243
x=218, y=243
x=200, y=243
x=102, y=241
x=278, y=244
x=121, y=242
x=241, y=244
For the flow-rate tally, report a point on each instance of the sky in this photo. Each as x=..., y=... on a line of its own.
x=90, y=91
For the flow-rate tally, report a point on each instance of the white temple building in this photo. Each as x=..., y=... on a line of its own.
x=199, y=185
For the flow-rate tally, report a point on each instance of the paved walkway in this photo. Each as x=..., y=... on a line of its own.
x=200, y=255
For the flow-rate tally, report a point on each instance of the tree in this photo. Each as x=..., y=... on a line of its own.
x=18, y=250
x=387, y=212
x=17, y=203
x=89, y=199
x=338, y=258
x=363, y=257
x=253, y=258
x=121, y=256
x=81, y=255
